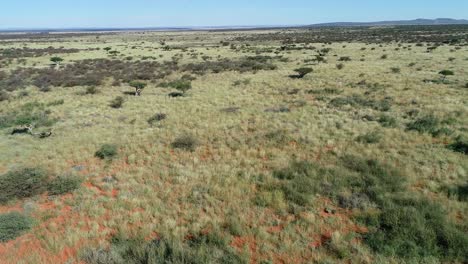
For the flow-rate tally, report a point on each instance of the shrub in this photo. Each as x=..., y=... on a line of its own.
x=107, y=151
x=426, y=124
x=460, y=145
x=91, y=90
x=156, y=118
x=345, y=58
x=22, y=183
x=415, y=228
x=13, y=225
x=30, y=113
x=201, y=248
x=395, y=70
x=340, y=66
x=369, y=138
x=387, y=121
x=56, y=102
x=384, y=57
x=180, y=85
x=459, y=192
x=117, y=102
x=185, y=142
x=63, y=184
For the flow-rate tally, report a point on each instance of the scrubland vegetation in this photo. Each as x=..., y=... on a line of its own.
x=270, y=146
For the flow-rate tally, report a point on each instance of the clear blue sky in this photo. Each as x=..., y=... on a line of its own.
x=160, y=13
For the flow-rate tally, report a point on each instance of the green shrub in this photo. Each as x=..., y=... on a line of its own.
x=181, y=85
x=370, y=137
x=460, y=145
x=91, y=90
x=395, y=70
x=426, y=124
x=13, y=225
x=56, y=102
x=201, y=248
x=107, y=151
x=387, y=121
x=22, y=183
x=63, y=184
x=340, y=66
x=185, y=142
x=117, y=102
x=413, y=228
x=459, y=192
x=30, y=113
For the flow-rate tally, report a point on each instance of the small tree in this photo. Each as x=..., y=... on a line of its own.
x=139, y=86
x=56, y=61
x=446, y=73
x=302, y=72
x=107, y=49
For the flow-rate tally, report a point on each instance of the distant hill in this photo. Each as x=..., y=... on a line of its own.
x=416, y=22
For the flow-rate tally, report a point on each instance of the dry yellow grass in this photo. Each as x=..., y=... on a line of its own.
x=159, y=190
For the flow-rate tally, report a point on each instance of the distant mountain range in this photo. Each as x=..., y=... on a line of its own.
x=415, y=22
x=418, y=22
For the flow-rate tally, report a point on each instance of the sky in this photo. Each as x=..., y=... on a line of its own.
x=180, y=13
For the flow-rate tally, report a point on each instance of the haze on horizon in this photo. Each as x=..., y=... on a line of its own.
x=180, y=13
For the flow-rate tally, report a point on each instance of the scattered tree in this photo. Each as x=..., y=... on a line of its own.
x=139, y=86
x=302, y=72
x=56, y=61
x=446, y=73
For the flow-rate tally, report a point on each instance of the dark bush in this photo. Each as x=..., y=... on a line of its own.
x=387, y=121
x=369, y=138
x=157, y=118
x=63, y=184
x=91, y=90
x=13, y=225
x=459, y=192
x=340, y=66
x=22, y=183
x=107, y=151
x=345, y=58
x=117, y=102
x=460, y=145
x=302, y=72
x=185, y=142
x=426, y=124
